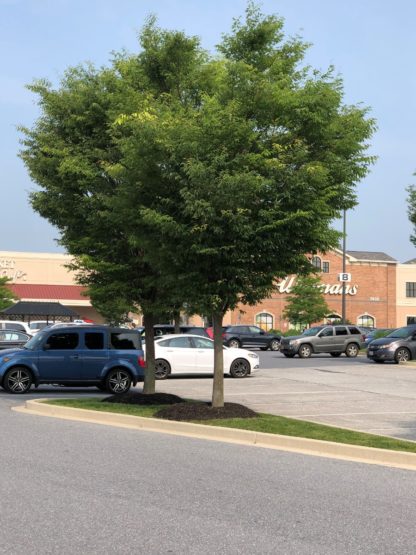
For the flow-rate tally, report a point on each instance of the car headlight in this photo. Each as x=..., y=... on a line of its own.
x=294, y=342
x=390, y=346
x=253, y=355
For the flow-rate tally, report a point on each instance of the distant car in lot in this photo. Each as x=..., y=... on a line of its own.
x=109, y=358
x=12, y=338
x=250, y=336
x=376, y=333
x=398, y=346
x=190, y=354
x=334, y=340
x=169, y=329
x=15, y=325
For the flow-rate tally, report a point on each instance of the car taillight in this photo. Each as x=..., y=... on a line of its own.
x=141, y=361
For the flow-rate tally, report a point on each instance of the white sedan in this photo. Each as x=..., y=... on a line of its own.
x=190, y=354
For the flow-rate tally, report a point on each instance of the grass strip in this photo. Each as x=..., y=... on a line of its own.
x=267, y=423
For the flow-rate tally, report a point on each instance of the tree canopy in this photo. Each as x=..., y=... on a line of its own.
x=306, y=302
x=7, y=297
x=197, y=177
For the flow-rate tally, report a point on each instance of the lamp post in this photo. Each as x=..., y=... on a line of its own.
x=344, y=241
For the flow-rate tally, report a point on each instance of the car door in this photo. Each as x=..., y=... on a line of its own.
x=204, y=347
x=323, y=342
x=59, y=357
x=179, y=351
x=244, y=334
x=94, y=354
x=258, y=337
x=340, y=340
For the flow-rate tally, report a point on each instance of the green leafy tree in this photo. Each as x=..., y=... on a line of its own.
x=198, y=178
x=306, y=303
x=7, y=297
x=411, y=211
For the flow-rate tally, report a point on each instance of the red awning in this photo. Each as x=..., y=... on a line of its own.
x=51, y=292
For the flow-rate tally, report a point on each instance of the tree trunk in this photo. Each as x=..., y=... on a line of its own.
x=177, y=320
x=218, y=384
x=149, y=371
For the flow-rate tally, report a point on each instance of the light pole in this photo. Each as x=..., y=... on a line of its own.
x=344, y=241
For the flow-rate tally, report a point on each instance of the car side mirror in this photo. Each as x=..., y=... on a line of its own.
x=262, y=332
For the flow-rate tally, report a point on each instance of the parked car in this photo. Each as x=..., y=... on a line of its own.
x=250, y=336
x=15, y=325
x=324, y=339
x=169, y=329
x=189, y=354
x=210, y=331
x=109, y=358
x=398, y=346
x=376, y=333
x=13, y=338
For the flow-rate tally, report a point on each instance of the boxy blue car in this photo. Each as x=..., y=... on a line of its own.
x=109, y=358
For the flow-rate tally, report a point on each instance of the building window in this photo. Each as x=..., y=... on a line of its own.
x=316, y=262
x=264, y=320
x=325, y=267
x=410, y=289
x=411, y=320
x=332, y=319
x=366, y=321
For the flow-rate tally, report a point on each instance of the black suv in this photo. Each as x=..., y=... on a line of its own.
x=250, y=336
x=398, y=346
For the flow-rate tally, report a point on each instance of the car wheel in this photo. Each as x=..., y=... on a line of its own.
x=274, y=345
x=234, y=343
x=305, y=351
x=402, y=355
x=240, y=368
x=335, y=354
x=352, y=350
x=289, y=355
x=118, y=381
x=162, y=369
x=17, y=380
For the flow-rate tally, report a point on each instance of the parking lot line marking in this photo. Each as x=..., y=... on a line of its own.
x=284, y=393
x=353, y=413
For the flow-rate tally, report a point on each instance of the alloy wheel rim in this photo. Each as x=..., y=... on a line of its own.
x=119, y=382
x=18, y=381
x=402, y=356
x=240, y=368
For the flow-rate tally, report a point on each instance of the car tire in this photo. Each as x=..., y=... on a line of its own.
x=335, y=354
x=352, y=350
x=240, y=368
x=17, y=380
x=289, y=355
x=118, y=381
x=234, y=343
x=402, y=355
x=305, y=351
x=274, y=345
x=162, y=369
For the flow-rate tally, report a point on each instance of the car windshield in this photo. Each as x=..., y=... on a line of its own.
x=401, y=333
x=312, y=331
x=35, y=341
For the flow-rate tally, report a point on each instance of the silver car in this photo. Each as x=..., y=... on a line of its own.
x=334, y=340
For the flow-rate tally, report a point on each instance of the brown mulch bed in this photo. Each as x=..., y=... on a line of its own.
x=204, y=411
x=136, y=398
x=178, y=409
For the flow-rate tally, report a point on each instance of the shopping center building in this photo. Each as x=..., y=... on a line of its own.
x=381, y=293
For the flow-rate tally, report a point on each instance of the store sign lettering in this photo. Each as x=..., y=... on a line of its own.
x=8, y=269
x=286, y=285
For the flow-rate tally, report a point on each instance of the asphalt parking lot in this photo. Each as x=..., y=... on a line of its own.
x=350, y=393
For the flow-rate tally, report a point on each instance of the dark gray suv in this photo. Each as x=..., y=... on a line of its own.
x=398, y=346
x=334, y=340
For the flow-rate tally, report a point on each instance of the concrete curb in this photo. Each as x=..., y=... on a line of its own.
x=306, y=446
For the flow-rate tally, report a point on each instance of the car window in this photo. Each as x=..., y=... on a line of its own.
x=203, y=343
x=125, y=341
x=180, y=342
x=356, y=331
x=254, y=329
x=402, y=333
x=13, y=336
x=327, y=332
x=94, y=340
x=312, y=331
x=65, y=341
x=164, y=343
x=341, y=331
x=15, y=326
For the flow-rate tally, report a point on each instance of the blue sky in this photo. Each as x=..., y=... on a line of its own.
x=371, y=43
